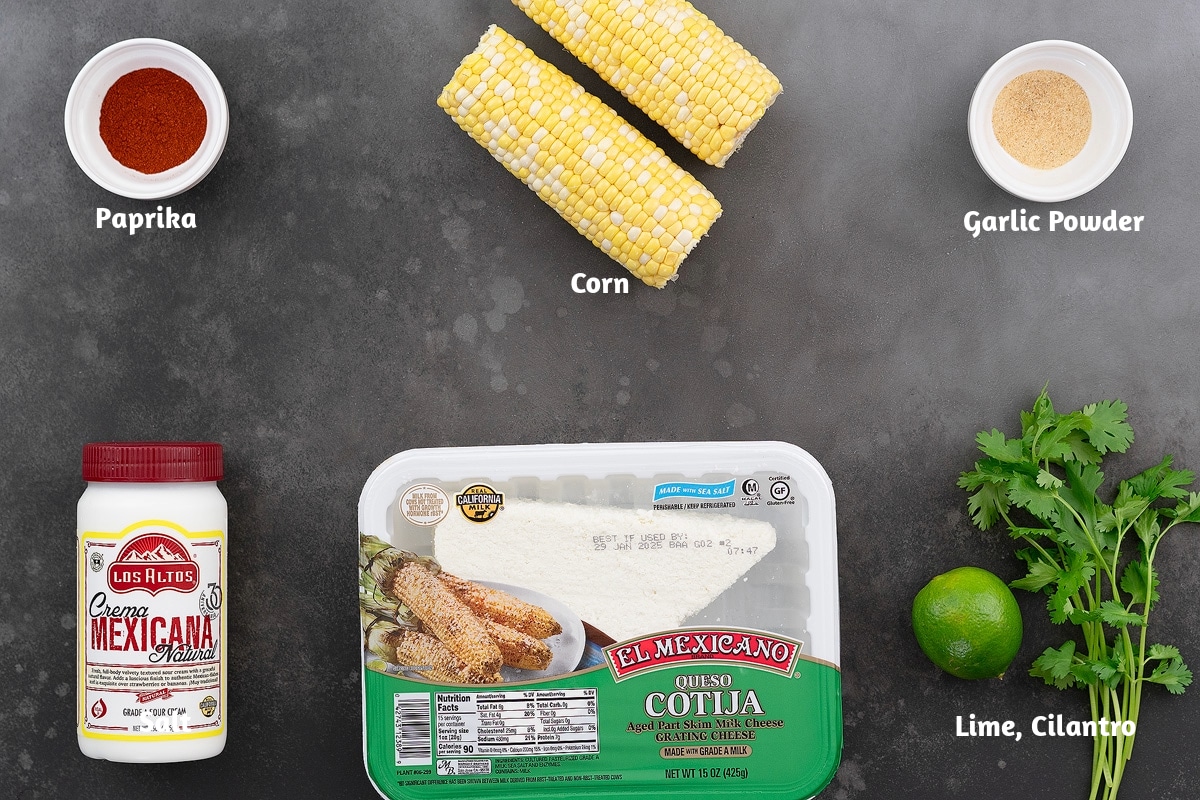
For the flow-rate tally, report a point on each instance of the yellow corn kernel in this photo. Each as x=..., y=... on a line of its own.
x=598, y=173
x=671, y=61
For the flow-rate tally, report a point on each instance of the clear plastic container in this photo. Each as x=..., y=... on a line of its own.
x=692, y=590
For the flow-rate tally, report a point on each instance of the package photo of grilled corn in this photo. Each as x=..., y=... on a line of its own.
x=628, y=619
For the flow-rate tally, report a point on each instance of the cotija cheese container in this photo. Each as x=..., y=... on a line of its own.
x=600, y=620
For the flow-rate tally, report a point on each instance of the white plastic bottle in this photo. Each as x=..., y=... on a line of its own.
x=152, y=529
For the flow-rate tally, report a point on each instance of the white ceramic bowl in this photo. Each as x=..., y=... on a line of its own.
x=1112, y=122
x=82, y=118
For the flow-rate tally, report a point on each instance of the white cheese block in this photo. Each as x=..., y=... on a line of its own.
x=628, y=572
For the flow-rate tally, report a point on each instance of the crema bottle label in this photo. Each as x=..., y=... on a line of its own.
x=152, y=627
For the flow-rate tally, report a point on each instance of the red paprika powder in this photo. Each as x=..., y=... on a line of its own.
x=152, y=120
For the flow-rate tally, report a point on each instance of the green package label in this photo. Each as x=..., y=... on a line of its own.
x=680, y=720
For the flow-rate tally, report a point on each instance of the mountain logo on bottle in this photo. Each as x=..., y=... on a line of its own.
x=154, y=562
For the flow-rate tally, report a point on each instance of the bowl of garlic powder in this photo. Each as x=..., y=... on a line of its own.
x=1050, y=121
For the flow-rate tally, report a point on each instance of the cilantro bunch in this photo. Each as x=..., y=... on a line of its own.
x=1093, y=560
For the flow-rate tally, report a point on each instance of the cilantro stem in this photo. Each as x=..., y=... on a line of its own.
x=1137, y=682
x=1099, y=756
x=1033, y=542
x=1091, y=540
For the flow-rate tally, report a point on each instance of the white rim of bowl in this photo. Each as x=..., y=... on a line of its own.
x=218, y=119
x=976, y=125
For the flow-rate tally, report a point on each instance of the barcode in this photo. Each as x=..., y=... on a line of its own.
x=413, y=742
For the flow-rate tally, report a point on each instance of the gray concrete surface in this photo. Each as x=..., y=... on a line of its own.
x=365, y=279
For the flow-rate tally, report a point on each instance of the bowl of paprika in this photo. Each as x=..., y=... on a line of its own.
x=146, y=119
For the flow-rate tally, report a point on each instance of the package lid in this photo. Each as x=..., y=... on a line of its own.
x=641, y=460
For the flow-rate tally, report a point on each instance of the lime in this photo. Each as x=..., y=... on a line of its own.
x=968, y=623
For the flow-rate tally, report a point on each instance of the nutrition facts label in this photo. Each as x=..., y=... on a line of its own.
x=516, y=723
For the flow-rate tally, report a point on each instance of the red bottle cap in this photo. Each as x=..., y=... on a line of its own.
x=152, y=462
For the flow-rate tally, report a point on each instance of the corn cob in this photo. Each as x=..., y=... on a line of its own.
x=445, y=616
x=519, y=650
x=502, y=607
x=437, y=662
x=671, y=61
x=613, y=184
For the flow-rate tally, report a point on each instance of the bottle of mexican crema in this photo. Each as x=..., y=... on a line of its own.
x=152, y=529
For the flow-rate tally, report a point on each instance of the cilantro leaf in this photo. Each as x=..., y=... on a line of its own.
x=987, y=505
x=1117, y=616
x=1068, y=533
x=1043, y=415
x=994, y=445
x=1160, y=652
x=1082, y=482
x=1174, y=482
x=1148, y=528
x=1019, y=532
x=1140, y=583
x=1109, y=670
x=1129, y=503
x=1047, y=480
x=1080, y=529
x=1188, y=510
x=1172, y=674
x=1085, y=673
x=1106, y=522
x=1028, y=555
x=1024, y=492
x=1054, y=666
x=1028, y=426
x=1081, y=616
x=1074, y=446
x=1109, y=431
x=1049, y=444
x=1162, y=481
x=1070, y=580
x=1040, y=575
x=987, y=470
x=1061, y=608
